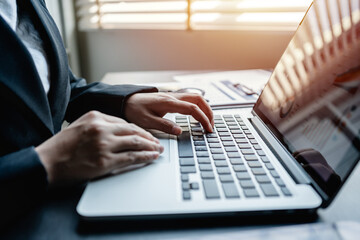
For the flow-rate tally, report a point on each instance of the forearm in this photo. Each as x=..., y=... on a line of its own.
x=105, y=98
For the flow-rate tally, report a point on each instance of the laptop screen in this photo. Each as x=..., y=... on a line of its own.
x=312, y=100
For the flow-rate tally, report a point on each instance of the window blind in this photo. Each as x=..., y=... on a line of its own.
x=191, y=14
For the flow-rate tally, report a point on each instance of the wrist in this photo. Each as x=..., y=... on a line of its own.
x=45, y=159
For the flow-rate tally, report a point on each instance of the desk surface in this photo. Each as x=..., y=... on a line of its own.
x=56, y=218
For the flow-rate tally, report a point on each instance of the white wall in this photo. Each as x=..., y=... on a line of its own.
x=104, y=51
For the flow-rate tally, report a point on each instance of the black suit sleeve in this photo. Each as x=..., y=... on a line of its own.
x=108, y=99
x=23, y=182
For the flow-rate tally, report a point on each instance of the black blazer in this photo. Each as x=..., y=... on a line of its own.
x=29, y=116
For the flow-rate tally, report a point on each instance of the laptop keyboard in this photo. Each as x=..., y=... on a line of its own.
x=228, y=160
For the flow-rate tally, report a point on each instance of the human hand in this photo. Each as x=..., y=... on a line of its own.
x=94, y=145
x=147, y=109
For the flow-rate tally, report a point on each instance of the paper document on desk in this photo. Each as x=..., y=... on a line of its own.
x=228, y=88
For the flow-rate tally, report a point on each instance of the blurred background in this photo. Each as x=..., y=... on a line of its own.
x=143, y=35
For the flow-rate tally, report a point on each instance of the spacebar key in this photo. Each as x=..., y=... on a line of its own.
x=184, y=145
x=211, y=189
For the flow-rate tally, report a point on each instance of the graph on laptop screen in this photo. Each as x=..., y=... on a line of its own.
x=313, y=96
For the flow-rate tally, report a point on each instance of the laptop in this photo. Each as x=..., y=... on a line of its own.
x=290, y=153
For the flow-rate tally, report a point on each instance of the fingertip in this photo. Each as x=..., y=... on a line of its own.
x=161, y=149
x=153, y=155
x=176, y=130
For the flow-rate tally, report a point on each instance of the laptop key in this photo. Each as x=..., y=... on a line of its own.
x=286, y=191
x=198, y=138
x=185, y=128
x=280, y=182
x=251, y=192
x=226, y=178
x=196, y=129
x=188, y=169
x=260, y=152
x=258, y=171
x=194, y=186
x=253, y=141
x=185, y=186
x=239, y=168
x=204, y=160
x=244, y=145
x=223, y=170
x=202, y=154
x=235, y=131
x=186, y=195
x=225, y=138
x=274, y=173
x=262, y=179
x=207, y=175
x=269, y=166
x=247, y=151
x=250, y=157
x=181, y=118
x=184, y=177
x=239, y=136
x=211, y=135
x=269, y=190
x=254, y=164
x=265, y=159
x=230, y=190
x=233, y=127
x=250, y=136
x=214, y=145
x=224, y=134
x=200, y=148
x=205, y=167
x=244, y=127
x=231, y=149
x=241, y=140
x=247, y=184
x=221, y=129
x=184, y=145
x=211, y=189
x=199, y=143
x=216, y=150
x=221, y=163
x=236, y=161
x=187, y=162
x=219, y=157
x=233, y=155
x=213, y=140
x=229, y=144
x=243, y=175
x=197, y=134
x=257, y=147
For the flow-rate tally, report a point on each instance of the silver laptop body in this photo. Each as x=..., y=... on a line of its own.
x=291, y=152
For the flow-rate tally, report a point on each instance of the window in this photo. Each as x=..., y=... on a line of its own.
x=191, y=14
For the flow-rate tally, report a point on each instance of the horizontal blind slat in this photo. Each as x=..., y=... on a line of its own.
x=234, y=14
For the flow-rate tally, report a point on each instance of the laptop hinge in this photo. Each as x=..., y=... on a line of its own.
x=292, y=166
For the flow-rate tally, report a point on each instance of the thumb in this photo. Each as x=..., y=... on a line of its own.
x=165, y=125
